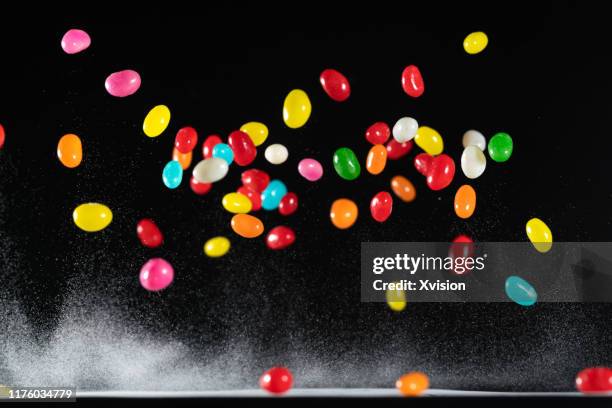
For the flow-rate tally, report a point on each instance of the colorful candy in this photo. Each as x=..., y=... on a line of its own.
x=70, y=150
x=149, y=233
x=186, y=139
x=343, y=213
x=378, y=133
x=172, y=175
x=474, y=138
x=429, y=140
x=280, y=237
x=462, y=247
x=381, y=206
x=296, y=109
x=198, y=187
x=288, y=204
x=156, y=121
x=403, y=188
x=217, y=247
x=405, y=129
x=236, y=203
x=223, y=151
x=310, y=169
x=276, y=380
x=594, y=380
x=123, y=83
x=243, y=148
x=75, y=41
x=396, y=150
x=412, y=384
x=257, y=131
x=254, y=196
x=500, y=147
x=209, y=144
x=276, y=153
x=247, y=226
x=473, y=162
x=272, y=195
x=465, y=201
x=412, y=81
x=335, y=85
x=520, y=291
x=92, y=217
x=210, y=170
x=422, y=163
x=475, y=42
x=157, y=274
x=184, y=159
x=439, y=170
x=346, y=164
x=539, y=234
x=396, y=299
x=255, y=179
x=2, y=136
x=377, y=159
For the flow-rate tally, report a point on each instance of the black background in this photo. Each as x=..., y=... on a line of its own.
x=544, y=79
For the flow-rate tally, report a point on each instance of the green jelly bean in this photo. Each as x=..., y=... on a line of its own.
x=500, y=147
x=346, y=164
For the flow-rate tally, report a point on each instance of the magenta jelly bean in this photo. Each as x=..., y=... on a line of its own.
x=381, y=206
x=157, y=274
x=255, y=179
x=123, y=83
x=75, y=41
x=280, y=237
x=396, y=150
x=310, y=169
x=378, y=133
x=243, y=148
x=288, y=204
x=186, y=139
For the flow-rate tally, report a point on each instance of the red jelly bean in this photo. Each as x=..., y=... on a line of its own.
x=422, y=161
x=288, y=204
x=243, y=148
x=253, y=195
x=276, y=380
x=335, y=85
x=255, y=179
x=596, y=379
x=208, y=145
x=198, y=187
x=378, y=133
x=186, y=139
x=462, y=247
x=2, y=136
x=381, y=206
x=440, y=172
x=396, y=150
x=149, y=234
x=412, y=81
x=280, y=237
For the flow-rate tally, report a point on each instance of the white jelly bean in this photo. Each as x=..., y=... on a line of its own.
x=474, y=138
x=276, y=153
x=405, y=129
x=473, y=162
x=210, y=170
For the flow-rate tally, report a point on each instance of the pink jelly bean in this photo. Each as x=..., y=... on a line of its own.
x=123, y=83
x=156, y=274
x=75, y=41
x=310, y=169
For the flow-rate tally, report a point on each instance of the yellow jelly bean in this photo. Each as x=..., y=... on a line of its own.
x=539, y=234
x=156, y=121
x=396, y=299
x=217, y=246
x=475, y=42
x=429, y=140
x=92, y=217
x=258, y=132
x=296, y=109
x=236, y=203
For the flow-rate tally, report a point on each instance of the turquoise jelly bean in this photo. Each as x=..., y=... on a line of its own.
x=223, y=151
x=172, y=174
x=273, y=194
x=521, y=291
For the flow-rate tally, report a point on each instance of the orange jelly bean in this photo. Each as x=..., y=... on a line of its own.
x=377, y=159
x=343, y=213
x=403, y=188
x=70, y=150
x=412, y=384
x=465, y=201
x=184, y=159
x=247, y=226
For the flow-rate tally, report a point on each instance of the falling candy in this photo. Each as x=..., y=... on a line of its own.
x=236, y=203
x=183, y=158
x=381, y=206
x=209, y=144
x=123, y=83
x=405, y=129
x=217, y=247
x=255, y=179
x=223, y=151
x=172, y=175
x=210, y=170
x=422, y=163
x=199, y=188
x=439, y=170
x=594, y=380
x=465, y=201
x=475, y=42
x=276, y=380
x=276, y=153
x=247, y=226
x=473, y=162
x=75, y=41
x=157, y=274
x=539, y=234
x=254, y=197
x=2, y=136
x=403, y=188
x=377, y=159
x=149, y=233
x=70, y=150
x=296, y=109
x=92, y=217
x=346, y=164
x=272, y=195
x=429, y=140
x=258, y=132
x=343, y=213
x=396, y=299
x=186, y=139
x=412, y=384
x=396, y=150
x=288, y=204
x=335, y=85
x=378, y=133
x=243, y=148
x=280, y=237
x=500, y=147
x=461, y=247
x=412, y=81
x=520, y=291
x=156, y=121
x=474, y=138
x=310, y=169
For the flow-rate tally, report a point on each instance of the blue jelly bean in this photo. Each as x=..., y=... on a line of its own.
x=223, y=151
x=172, y=174
x=521, y=291
x=273, y=194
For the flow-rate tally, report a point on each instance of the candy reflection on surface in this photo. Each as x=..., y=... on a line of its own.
x=280, y=237
x=217, y=247
x=92, y=217
x=343, y=213
x=335, y=85
x=475, y=42
x=69, y=150
x=156, y=121
x=149, y=233
x=210, y=170
x=276, y=153
x=405, y=129
x=157, y=274
x=381, y=206
x=123, y=83
x=473, y=162
x=310, y=169
x=429, y=140
x=465, y=201
x=412, y=81
x=539, y=234
x=273, y=194
x=75, y=41
x=257, y=131
x=346, y=164
x=296, y=109
x=403, y=188
x=412, y=384
x=172, y=174
x=247, y=226
x=236, y=203
x=377, y=159
x=520, y=291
